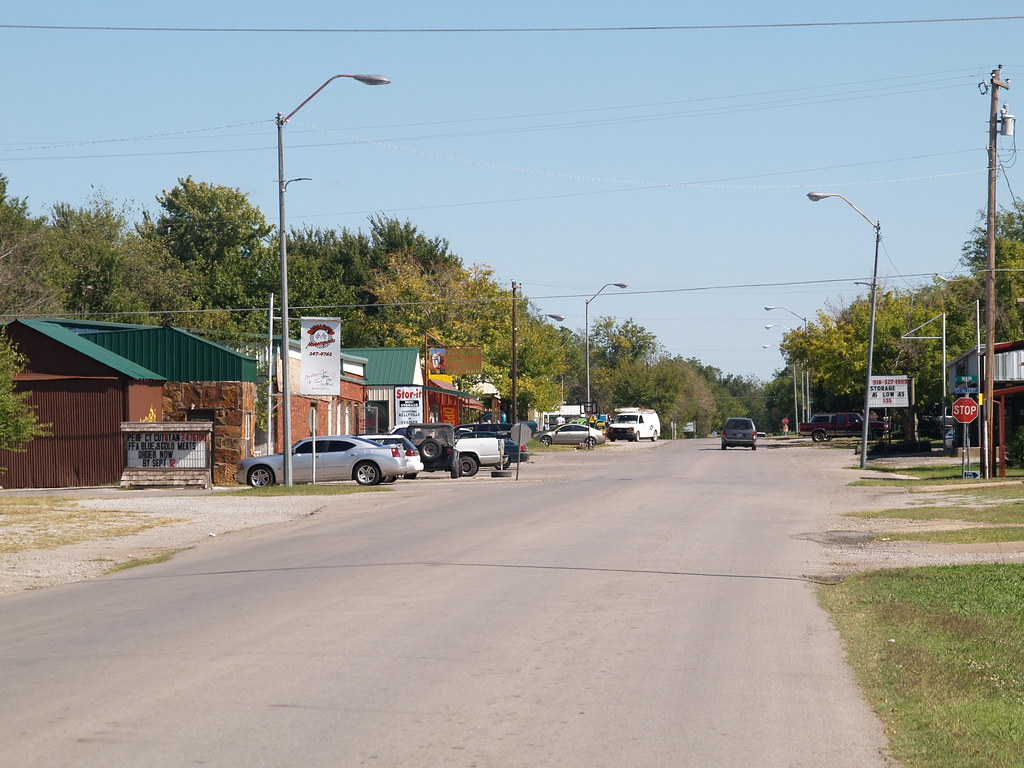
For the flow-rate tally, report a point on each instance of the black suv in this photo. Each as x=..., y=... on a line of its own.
x=436, y=444
x=488, y=429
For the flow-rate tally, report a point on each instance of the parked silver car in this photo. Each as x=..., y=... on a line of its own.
x=410, y=454
x=337, y=457
x=572, y=434
x=739, y=431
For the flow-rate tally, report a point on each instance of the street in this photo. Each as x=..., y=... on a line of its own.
x=655, y=606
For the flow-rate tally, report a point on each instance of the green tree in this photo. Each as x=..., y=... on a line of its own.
x=18, y=423
x=29, y=276
x=222, y=242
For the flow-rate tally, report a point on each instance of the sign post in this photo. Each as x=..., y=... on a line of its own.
x=965, y=410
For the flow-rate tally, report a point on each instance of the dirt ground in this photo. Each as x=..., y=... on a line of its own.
x=175, y=520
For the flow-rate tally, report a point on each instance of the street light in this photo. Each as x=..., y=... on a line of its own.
x=796, y=401
x=877, y=226
x=586, y=327
x=805, y=376
x=286, y=402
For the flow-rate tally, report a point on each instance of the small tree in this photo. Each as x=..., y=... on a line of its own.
x=17, y=418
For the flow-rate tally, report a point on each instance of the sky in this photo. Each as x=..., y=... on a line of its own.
x=669, y=145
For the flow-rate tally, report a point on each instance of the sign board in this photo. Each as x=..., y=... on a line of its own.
x=966, y=385
x=321, y=356
x=161, y=453
x=889, y=392
x=408, y=405
x=965, y=410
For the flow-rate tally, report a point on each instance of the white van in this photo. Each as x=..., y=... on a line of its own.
x=634, y=424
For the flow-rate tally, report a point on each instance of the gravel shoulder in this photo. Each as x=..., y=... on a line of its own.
x=190, y=518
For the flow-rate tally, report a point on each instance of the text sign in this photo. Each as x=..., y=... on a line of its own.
x=965, y=410
x=166, y=450
x=889, y=392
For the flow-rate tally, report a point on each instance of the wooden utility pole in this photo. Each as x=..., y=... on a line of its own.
x=989, y=452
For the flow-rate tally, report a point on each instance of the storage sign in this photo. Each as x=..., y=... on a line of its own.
x=889, y=392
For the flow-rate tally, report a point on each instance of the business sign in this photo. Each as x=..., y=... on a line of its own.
x=166, y=450
x=321, y=356
x=454, y=361
x=889, y=392
x=408, y=405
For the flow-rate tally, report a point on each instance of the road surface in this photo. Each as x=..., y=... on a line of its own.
x=646, y=606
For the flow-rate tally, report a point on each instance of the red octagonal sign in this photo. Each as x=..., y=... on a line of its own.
x=965, y=410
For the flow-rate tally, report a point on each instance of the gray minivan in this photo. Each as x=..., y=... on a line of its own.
x=739, y=431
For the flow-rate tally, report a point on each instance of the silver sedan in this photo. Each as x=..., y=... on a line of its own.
x=572, y=434
x=336, y=457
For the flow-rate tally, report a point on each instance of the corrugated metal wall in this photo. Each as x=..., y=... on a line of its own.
x=86, y=446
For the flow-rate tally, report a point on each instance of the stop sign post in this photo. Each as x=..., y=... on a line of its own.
x=965, y=410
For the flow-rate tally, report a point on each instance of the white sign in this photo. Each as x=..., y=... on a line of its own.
x=408, y=405
x=889, y=392
x=166, y=450
x=321, y=356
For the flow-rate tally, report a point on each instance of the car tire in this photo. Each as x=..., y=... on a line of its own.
x=818, y=436
x=411, y=477
x=470, y=466
x=389, y=480
x=430, y=449
x=590, y=442
x=260, y=476
x=753, y=447
x=545, y=440
x=367, y=473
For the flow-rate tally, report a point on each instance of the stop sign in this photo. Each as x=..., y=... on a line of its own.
x=965, y=410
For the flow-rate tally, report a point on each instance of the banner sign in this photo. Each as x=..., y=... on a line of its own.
x=889, y=392
x=408, y=405
x=454, y=361
x=321, y=356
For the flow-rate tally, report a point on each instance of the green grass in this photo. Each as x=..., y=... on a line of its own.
x=937, y=651
x=135, y=562
x=964, y=536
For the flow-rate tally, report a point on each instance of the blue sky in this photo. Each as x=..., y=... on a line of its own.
x=675, y=160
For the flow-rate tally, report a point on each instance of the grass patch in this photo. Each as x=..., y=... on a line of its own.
x=135, y=562
x=964, y=536
x=937, y=651
x=31, y=523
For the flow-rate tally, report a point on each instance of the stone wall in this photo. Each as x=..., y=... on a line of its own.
x=230, y=405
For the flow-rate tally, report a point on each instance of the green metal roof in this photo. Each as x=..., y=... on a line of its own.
x=178, y=355
x=389, y=366
x=70, y=339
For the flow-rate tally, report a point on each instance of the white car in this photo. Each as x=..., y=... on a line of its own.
x=337, y=457
x=410, y=455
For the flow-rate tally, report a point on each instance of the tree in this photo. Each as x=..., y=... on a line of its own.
x=29, y=278
x=107, y=268
x=17, y=418
x=222, y=242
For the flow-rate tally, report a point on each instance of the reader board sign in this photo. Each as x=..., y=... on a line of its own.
x=408, y=405
x=167, y=450
x=889, y=392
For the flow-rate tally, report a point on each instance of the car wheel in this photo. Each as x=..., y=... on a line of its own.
x=753, y=447
x=546, y=440
x=590, y=442
x=818, y=436
x=411, y=477
x=430, y=449
x=367, y=473
x=261, y=477
x=389, y=480
x=470, y=466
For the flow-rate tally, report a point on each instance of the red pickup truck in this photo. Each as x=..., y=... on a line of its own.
x=825, y=426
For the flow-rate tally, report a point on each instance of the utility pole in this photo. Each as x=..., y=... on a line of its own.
x=988, y=435
x=514, y=416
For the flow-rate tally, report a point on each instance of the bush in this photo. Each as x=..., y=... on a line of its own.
x=1015, y=449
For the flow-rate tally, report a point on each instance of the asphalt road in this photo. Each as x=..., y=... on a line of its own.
x=648, y=608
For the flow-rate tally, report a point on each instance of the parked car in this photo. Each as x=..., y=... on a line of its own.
x=572, y=434
x=739, y=431
x=410, y=454
x=337, y=457
x=487, y=429
x=514, y=454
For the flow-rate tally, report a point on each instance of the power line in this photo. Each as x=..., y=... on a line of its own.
x=492, y=30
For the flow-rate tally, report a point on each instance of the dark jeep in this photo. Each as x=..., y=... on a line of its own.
x=436, y=444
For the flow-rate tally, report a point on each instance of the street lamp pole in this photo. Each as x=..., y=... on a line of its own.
x=805, y=376
x=286, y=402
x=877, y=226
x=586, y=328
